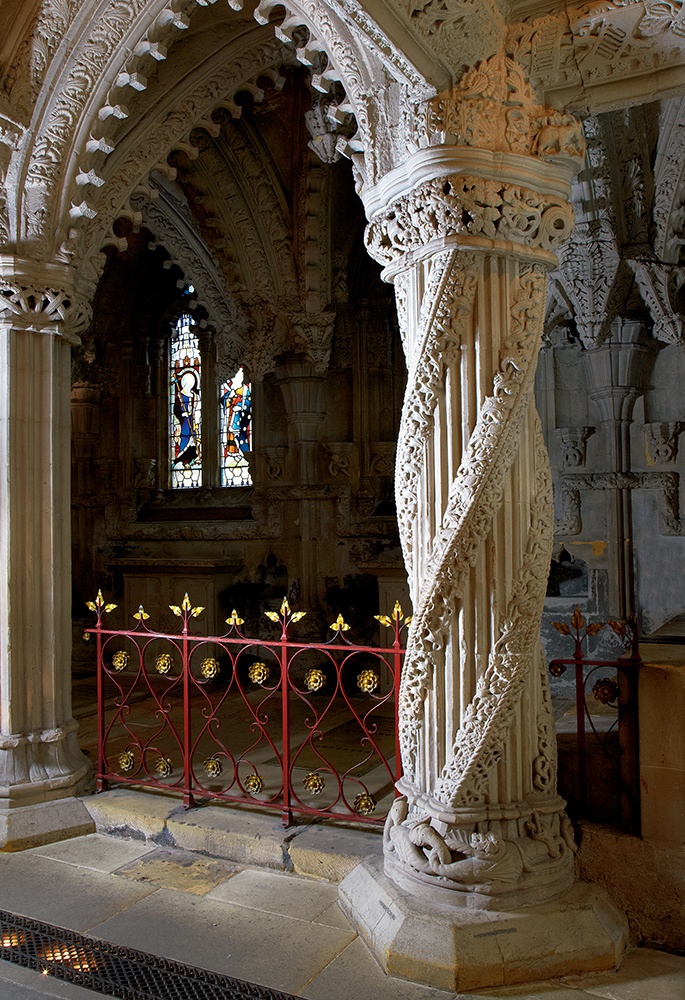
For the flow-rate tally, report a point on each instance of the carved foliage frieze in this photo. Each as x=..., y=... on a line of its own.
x=599, y=43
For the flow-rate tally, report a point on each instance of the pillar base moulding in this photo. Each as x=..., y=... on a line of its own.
x=467, y=948
x=43, y=765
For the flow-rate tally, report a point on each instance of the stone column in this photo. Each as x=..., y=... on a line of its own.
x=302, y=388
x=616, y=376
x=41, y=766
x=467, y=233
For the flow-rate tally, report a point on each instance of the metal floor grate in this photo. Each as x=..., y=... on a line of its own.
x=113, y=970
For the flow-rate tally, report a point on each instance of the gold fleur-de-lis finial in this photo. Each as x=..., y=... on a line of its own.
x=185, y=608
x=285, y=614
x=234, y=619
x=397, y=617
x=141, y=614
x=99, y=606
x=340, y=625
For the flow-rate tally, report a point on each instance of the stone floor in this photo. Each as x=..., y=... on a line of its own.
x=279, y=929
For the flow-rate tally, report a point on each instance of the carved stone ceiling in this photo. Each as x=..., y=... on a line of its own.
x=139, y=79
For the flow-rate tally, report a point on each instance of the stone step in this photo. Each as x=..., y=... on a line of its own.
x=246, y=837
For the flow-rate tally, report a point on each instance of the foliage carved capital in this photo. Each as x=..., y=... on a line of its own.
x=33, y=300
x=468, y=206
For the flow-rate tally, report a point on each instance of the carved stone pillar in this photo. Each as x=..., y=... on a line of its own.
x=41, y=765
x=616, y=378
x=467, y=234
x=302, y=388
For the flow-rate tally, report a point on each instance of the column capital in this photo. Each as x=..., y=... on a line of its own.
x=40, y=296
x=487, y=162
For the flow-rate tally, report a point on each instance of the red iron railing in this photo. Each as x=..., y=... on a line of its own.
x=301, y=727
x=612, y=793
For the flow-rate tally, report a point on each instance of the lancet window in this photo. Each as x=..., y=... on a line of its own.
x=235, y=430
x=185, y=406
x=190, y=464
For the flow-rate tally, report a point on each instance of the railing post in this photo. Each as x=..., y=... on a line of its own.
x=188, y=800
x=580, y=729
x=628, y=735
x=101, y=782
x=287, y=813
x=397, y=678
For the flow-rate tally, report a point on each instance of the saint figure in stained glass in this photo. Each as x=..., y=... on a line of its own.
x=185, y=400
x=236, y=430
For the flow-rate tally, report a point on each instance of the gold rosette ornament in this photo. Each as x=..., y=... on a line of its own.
x=164, y=663
x=163, y=766
x=258, y=673
x=209, y=667
x=606, y=690
x=314, y=783
x=126, y=761
x=367, y=681
x=364, y=804
x=213, y=767
x=254, y=783
x=314, y=680
x=120, y=660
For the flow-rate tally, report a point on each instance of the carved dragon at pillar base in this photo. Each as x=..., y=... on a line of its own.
x=521, y=858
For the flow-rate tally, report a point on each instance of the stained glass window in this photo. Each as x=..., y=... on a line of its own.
x=185, y=407
x=236, y=430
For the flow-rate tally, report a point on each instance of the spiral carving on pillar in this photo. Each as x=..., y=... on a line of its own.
x=469, y=256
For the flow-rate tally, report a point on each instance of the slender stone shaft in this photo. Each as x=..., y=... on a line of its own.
x=39, y=755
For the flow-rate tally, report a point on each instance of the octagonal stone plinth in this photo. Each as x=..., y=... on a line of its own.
x=457, y=948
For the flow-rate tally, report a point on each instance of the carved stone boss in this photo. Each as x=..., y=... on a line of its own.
x=468, y=243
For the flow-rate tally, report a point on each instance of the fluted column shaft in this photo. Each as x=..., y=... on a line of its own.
x=467, y=236
x=39, y=321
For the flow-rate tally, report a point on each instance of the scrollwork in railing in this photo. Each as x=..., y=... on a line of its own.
x=250, y=720
x=617, y=741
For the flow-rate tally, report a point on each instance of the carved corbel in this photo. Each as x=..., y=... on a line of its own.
x=275, y=457
x=262, y=338
x=31, y=298
x=343, y=463
x=313, y=334
x=572, y=443
x=382, y=458
x=661, y=439
x=659, y=285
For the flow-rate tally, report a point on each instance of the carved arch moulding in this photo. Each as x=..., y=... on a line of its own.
x=86, y=79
